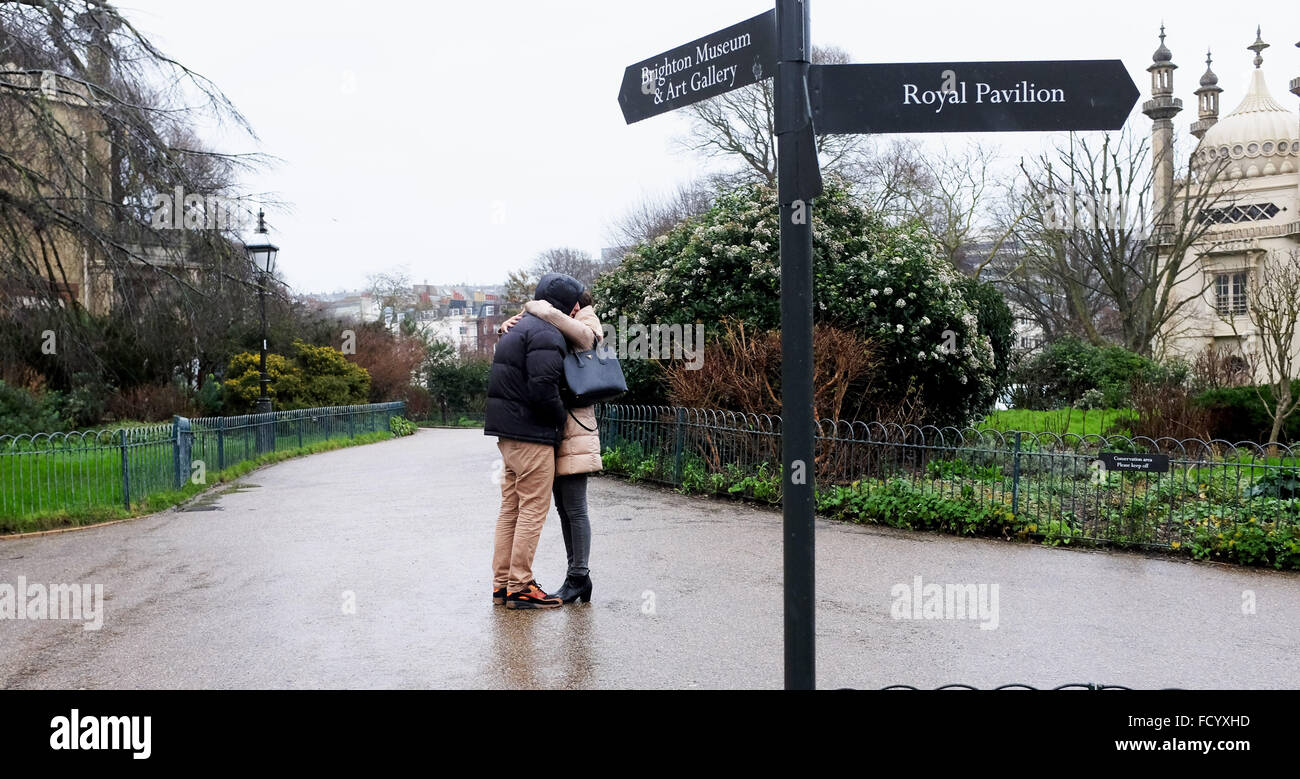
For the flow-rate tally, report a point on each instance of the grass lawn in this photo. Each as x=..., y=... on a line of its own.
x=1059, y=421
x=71, y=485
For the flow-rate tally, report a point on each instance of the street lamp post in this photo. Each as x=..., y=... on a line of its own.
x=261, y=253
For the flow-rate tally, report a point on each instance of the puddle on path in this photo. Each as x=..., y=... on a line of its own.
x=240, y=486
x=209, y=502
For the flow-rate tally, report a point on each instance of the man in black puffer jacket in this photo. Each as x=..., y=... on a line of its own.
x=526, y=414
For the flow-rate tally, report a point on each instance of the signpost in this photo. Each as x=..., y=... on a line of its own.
x=829, y=99
x=736, y=57
x=971, y=97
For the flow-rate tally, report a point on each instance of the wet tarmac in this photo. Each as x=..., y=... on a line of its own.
x=368, y=567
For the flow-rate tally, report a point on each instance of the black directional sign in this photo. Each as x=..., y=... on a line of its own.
x=944, y=97
x=825, y=99
x=728, y=59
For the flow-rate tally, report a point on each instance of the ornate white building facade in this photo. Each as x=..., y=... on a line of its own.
x=1245, y=183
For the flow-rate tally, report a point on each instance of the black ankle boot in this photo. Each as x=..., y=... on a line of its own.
x=575, y=588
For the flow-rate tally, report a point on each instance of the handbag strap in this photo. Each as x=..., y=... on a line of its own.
x=584, y=427
x=595, y=348
x=577, y=357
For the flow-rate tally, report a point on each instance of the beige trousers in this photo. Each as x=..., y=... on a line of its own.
x=525, y=501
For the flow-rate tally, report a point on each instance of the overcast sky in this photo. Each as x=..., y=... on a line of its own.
x=407, y=129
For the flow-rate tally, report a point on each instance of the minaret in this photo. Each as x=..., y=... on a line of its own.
x=1162, y=108
x=1295, y=82
x=1207, y=101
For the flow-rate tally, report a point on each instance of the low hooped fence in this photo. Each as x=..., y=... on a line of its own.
x=49, y=473
x=1215, y=494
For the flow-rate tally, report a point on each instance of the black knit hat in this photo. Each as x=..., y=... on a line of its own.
x=560, y=290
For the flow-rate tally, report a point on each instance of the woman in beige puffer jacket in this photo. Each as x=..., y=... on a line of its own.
x=579, y=451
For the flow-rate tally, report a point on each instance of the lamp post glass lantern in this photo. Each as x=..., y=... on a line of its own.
x=261, y=253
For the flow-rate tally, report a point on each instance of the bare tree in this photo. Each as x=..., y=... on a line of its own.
x=392, y=290
x=1273, y=310
x=1087, y=257
x=946, y=190
x=1218, y=366
x=1051, y=287
x=575, y=262
x=95, y=121
x=519, y=289
x=739, y=126
x=655, y=216
x=881, y=175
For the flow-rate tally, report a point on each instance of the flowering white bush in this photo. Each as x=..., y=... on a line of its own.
x=725, y=265
x=954, y=370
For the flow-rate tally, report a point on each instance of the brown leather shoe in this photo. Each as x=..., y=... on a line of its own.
x=533, y=597
x=499, y=596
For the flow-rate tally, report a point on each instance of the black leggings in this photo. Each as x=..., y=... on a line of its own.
x=571, y=501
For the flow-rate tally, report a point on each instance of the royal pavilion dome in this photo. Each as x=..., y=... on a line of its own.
x=1259, y=138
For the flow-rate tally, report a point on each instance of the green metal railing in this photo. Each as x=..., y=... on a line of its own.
x=1056, y=483
x=51, y=473
x=450, y=417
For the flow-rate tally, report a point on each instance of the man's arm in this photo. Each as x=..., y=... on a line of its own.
x=544, y=355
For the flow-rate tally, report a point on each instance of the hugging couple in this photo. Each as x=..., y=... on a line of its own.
x=547, y=445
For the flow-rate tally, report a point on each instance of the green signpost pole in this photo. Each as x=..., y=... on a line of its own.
x=798, y=181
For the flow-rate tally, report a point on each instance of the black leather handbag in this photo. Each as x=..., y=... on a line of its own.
x=593, y=376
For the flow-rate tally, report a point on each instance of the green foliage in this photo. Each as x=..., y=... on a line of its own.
x=764, y=485
x=456, y=381
x=888, y=284
x=1266, y=531
x=1214, y=520
x=317, y=376
x=899, y=504
x=209, y=397
x=996, y=321
x=697, y=478
x=1279, y=483
x=329, y=378
x=631, y=459
x=400, y=426
x=1057, y=532
x=23, y=412
x=1238, y=415
x=646, y=383
x=621, y=458
x=242, y=386
x=912, y=304
x=958, y=469
x=1073, y=372
x=83, y=403
x=642, y=469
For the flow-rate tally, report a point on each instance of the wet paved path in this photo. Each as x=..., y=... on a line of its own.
x=251, y=590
